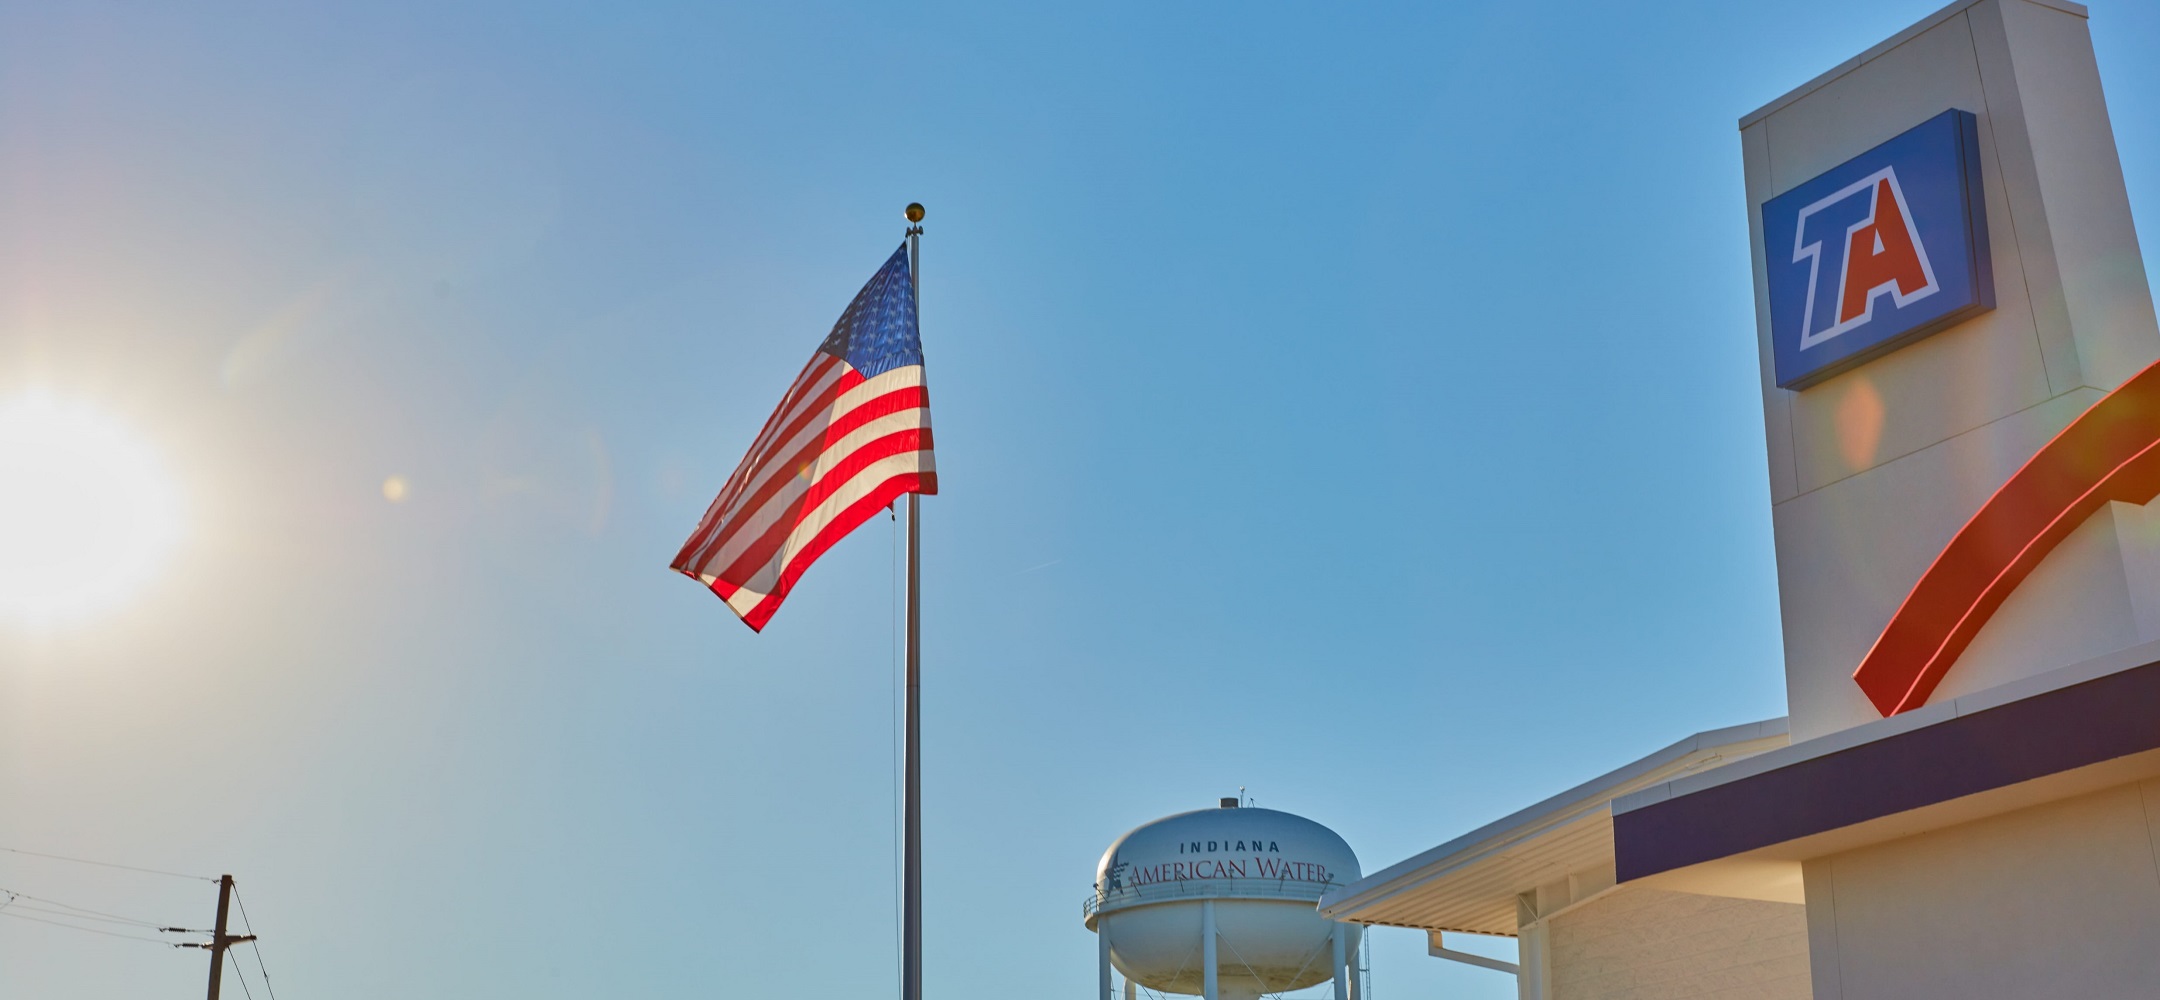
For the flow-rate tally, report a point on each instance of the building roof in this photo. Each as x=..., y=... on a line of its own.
x=1470, y=884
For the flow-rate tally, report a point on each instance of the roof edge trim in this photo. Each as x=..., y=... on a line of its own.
x=1873, y=51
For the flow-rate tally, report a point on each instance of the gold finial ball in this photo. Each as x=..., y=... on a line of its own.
x=914, y=211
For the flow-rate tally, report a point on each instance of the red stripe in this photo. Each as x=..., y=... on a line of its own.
x=849, y=519
x=2110, y=452
x=910, y=398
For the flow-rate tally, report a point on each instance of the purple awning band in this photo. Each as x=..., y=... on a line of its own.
x=2086, y=723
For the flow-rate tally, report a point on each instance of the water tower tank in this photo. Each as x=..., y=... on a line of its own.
x=1254, y=873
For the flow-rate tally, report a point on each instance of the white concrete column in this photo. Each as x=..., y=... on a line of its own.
x=1207, y=951
x=1342, y=958
x=1102, y=959
x=1530, y=943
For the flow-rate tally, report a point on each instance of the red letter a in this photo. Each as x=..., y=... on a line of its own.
x=1882, y=254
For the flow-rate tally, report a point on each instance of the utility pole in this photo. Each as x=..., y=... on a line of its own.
x=219, y=940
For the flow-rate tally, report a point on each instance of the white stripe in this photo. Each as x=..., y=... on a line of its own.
x=744, y=600
x=899, y=378
x=912, y=418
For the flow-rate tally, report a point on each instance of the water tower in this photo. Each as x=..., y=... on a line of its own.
x=1220, y=903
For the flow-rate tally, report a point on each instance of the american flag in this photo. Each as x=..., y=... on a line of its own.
x=851, y=435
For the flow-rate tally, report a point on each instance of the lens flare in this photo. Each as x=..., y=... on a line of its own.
x=1859, y=424
x=88, y=514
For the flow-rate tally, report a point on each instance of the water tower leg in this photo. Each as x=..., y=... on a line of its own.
x=1207, y=951
x=1342, y=958
x=1132, y=990
x=1357, y=983
x=1102, y=959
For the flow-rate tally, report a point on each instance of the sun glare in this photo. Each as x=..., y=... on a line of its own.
x=87, y=512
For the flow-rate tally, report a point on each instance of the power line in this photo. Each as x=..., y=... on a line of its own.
x=85, y=913
x=257, y=945
x=105, y=864
x=72, y=915
x=241, y=974
x=86, y=930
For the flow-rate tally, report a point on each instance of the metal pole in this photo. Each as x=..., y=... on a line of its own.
x=1359, y=983
x=217, y=937
x=1208, y=988
x=1342, y=958
x=1105, y=989
x=911, y=875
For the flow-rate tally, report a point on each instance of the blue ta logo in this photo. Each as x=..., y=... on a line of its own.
x=1852, y=255
x=1859, y=239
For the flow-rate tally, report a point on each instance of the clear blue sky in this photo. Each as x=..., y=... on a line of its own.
x=1355, y=406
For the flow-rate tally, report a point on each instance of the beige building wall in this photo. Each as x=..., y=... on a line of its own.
x=1648, y=944
x=2060, y=901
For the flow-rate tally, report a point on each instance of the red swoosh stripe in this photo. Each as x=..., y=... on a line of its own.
x=2110, y=452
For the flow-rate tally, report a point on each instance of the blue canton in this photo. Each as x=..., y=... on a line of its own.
x=877, y=332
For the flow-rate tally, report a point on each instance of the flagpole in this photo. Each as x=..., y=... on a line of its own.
x=911, y=877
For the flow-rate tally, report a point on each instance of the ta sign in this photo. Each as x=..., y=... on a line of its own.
x=1877, y=252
